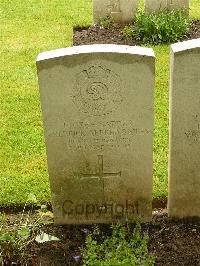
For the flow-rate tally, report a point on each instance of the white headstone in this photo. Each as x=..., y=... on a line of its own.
x=184, y=159
x=97, y=104
x=157, y=5
x=120, y=10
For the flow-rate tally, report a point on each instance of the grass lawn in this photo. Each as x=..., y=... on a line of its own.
x=27, y=28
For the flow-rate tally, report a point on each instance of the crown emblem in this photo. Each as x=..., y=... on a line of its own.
x=97, y=72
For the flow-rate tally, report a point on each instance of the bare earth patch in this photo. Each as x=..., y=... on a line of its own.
x=173, y=242
x=97, y=35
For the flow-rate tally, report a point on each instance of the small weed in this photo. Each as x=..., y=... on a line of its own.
x=123, y=247
x=16, y=238
x=157, y=28
x=128, y=31
x=15, y=241
x=106, y=22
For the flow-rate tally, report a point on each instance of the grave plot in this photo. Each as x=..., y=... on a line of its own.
x=32, y=238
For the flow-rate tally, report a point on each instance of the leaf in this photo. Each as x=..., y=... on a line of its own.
x=7, y=237
x=43, y=237
x=3, y=219
x=47, y=214
x=32, y=198
x=24, y=232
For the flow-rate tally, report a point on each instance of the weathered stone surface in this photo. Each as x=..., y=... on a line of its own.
x=97, y=104
x=120, y=10
x=156, y=5
x=184, y=158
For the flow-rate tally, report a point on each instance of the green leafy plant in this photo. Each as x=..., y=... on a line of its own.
x=123, y=247
x=156, y=28
x=15, y=241
x=16, y=238
x=106, y=22
x=128, y=31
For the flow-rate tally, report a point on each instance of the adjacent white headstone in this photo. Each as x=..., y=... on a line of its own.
x=157, y=5
x=97, y=104
x=184, y=158
x=120, y=10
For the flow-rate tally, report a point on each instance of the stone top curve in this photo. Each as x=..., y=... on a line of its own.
x=186, y=45
x=96, y=48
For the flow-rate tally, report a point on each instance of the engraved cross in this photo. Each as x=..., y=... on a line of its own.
x=101, y=175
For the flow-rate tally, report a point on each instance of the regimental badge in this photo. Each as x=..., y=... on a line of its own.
x=97, y=91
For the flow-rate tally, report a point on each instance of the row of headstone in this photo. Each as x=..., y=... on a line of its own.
x=124, y=10
x=98, y=111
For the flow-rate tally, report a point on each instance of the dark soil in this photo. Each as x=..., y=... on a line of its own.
x=172, y=242
x=194, y=32
x=97, y=35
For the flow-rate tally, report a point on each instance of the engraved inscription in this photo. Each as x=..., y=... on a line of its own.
x=113, y=6
x=193, y=135
x=96, y=136
x=97, y=91
x=100, y=175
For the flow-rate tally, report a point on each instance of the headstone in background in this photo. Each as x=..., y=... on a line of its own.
x=97, y=104
x=184, y=158
x=156, y=5
x=120, y=10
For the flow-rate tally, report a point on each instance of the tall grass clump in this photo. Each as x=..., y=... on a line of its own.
x=158, y=28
